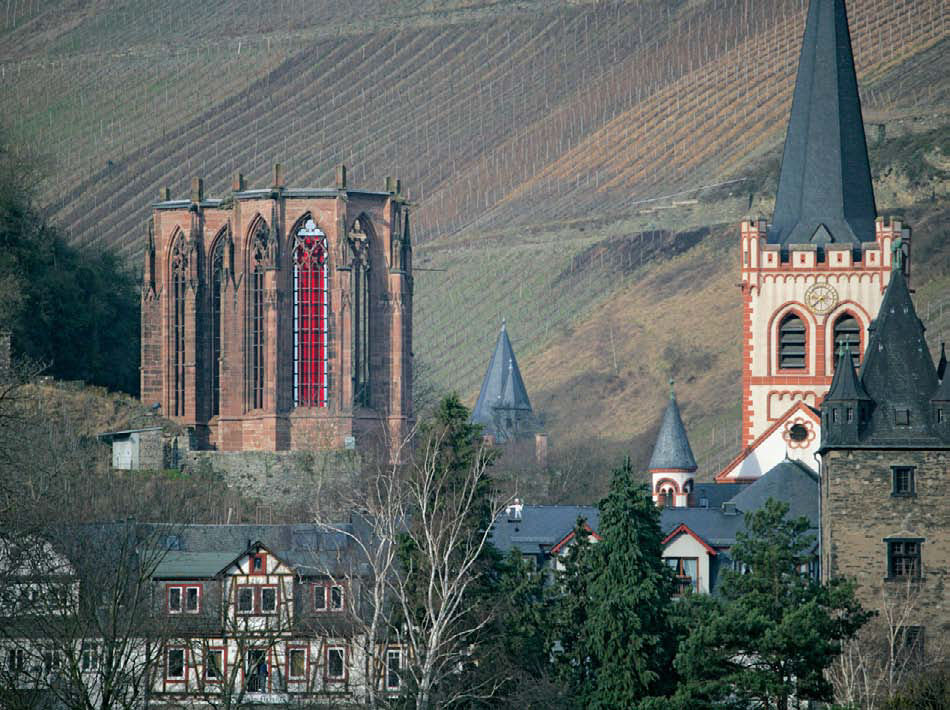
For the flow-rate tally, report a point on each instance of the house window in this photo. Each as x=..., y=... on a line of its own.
x=214, y=664
x=903, y=481
x=328, y=597
x=89, y=657
x=15, y=660
x=940, y=416
x=848, y=334
x=336, y=663
x=393, y=668
x=260, y=248
x=258, y=563
x=902, y=417
x=685, y=569
x=217, y=272
x=268, y=600
x=297, y=663
x=791, y=343
x=51, y=660
x=245, y=600
x=175, y=664
x=849, y=414
x=179, y=266
x=903, y=559
x=310, y=316
x=256, y=673
x=183, y=598
x=910, y=641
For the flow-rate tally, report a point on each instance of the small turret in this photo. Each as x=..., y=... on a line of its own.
x=672, y=466
x=940, y=402
x=846, y=408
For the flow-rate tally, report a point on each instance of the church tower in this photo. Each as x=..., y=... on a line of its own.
x=503, y=408
x=813, y=278
x=672, y=466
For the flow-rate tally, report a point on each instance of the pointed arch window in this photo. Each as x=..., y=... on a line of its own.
x=255, y=330
x=310, y=316
x=360, y=301
x=178, y=268
x=791, y=343
x=217, y=271
x=848, y=333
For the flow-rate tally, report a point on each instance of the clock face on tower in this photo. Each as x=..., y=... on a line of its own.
x=821, y=298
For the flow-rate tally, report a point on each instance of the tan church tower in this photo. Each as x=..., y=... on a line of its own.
x=813, y=279
x=279, y=318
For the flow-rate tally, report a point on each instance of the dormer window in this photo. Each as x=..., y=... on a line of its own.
x=902, y=417
x=183, y=598
x=259, y=563
x=328, y=597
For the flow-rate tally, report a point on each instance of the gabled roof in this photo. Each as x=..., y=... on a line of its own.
x=791, y=482
x=845, y=385
x=715, y=527
x=192, y=565
x=503, y=394
x=570, y=536
x=540, y=527
x=824, y=190
x=683, y=529
x=898, y=371
x=672, y=450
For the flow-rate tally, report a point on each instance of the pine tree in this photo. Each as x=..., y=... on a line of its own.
x=776, y=628
x=627, y=634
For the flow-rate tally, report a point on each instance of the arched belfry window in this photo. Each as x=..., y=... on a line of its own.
x=217, y=279
x=791, y=343
x=310, y=316
x=848, y=333
x=178, y=268
x=360, y=302
x=259, y=258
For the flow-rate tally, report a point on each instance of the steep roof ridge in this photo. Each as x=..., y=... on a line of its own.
x=672, y=450
x=503, y=387
x=898, y=371
x=825, y=191
x=845, y=385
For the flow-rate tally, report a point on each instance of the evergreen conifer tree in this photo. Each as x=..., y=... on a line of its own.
x=627, y=634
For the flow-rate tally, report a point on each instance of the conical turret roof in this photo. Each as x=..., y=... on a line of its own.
x=942, y=363
x=824, y=190
x=845, y=385
x=898, y=371
x=503, y=395
x=672, y=449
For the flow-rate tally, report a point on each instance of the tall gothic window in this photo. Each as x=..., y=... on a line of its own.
x=179, y=267
x=848, y=332
x=259, y=256
x=360, y=300
x=791, y=343
x=310, y=316
x=217, y=270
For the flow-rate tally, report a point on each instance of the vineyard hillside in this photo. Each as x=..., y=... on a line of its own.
x=578, y=168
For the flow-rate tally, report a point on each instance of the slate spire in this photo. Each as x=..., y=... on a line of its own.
x=825, y=179
x=845, y=385
x=898, y=371
x=942, y=364
x=503, y=408
x=672, y=450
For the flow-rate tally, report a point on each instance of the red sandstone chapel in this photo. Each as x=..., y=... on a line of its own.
x=279, y=319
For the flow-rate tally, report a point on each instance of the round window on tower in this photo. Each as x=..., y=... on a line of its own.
x=798, y=432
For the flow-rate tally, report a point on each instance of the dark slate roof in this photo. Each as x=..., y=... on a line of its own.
x=715, y=494
x=503, y=396
x=845, y=385
x=942, y=394
x=672, y=448
x=711, y=524
x=540, y=527
x=898, y=372
x=192, y=565
x=825, y=179
x=791, y=482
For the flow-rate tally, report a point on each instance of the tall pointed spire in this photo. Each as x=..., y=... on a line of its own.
x=845, y=385
x=672, y=451
x=825, y=179
x=503, y=408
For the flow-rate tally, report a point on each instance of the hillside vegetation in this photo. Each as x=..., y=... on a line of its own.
x=578, y=167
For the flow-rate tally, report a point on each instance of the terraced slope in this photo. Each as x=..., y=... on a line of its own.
x=555, y=149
